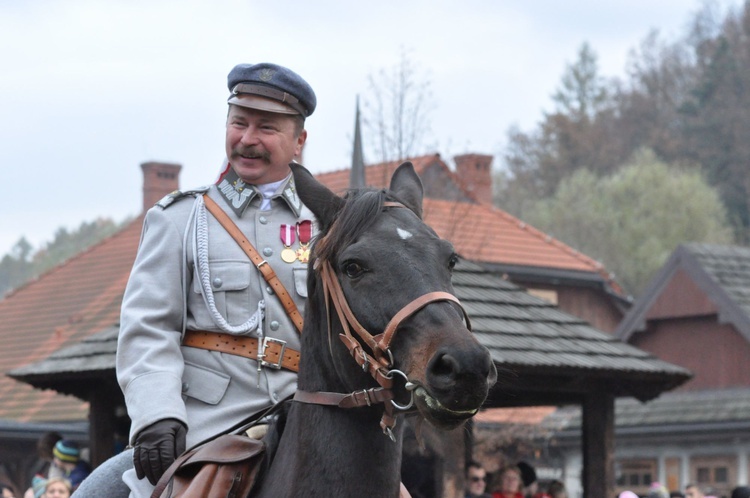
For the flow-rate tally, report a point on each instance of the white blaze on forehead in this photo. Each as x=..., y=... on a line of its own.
x=404, y=234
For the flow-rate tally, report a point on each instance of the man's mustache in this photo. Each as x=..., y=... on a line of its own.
x=251, y=152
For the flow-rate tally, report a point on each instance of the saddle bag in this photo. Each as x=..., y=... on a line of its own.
x=224, y=467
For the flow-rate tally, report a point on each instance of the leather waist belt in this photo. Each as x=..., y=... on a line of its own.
x=274, y=353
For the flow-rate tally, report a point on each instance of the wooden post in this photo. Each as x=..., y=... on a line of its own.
x=102, y=424
x=598, y=445
x=453, y=455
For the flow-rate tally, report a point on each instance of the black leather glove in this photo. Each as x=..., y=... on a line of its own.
x=156, y=447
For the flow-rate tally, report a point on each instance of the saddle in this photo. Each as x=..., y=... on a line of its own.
x=225, y=467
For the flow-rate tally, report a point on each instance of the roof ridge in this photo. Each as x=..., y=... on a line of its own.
x=382, y=163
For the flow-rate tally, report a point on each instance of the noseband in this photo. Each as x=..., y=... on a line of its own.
x=380, y=363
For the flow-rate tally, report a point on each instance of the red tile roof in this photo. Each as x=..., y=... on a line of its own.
x=65, y=305
x=479, y=232
x=529, y=415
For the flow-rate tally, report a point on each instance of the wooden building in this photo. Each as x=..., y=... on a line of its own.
x=695, y=312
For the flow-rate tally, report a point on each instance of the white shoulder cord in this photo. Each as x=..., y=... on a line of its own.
x=185, y=268
x=200, y=250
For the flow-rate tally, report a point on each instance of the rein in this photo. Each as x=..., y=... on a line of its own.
x=380, y=363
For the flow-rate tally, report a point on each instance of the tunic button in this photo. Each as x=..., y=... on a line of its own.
x=185, y=387
x=269, y=290
x=263, y=220
x=267, y=252
x=217, y=282
x=274, y=325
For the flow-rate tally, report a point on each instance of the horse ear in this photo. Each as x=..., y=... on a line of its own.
x=321, y=201
x=407, y=186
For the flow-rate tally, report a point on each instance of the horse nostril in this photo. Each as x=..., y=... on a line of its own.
x=443, y=369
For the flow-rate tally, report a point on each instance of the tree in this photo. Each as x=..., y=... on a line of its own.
x=23, y=263
x=397, y=111
x=582, y=94
x=661, y=77
x=581, y=133
x=633, y=219
x=16, y=267
x=716, y=120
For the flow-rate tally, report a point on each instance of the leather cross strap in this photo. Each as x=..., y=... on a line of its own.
x=274, y=353
x=261, y=264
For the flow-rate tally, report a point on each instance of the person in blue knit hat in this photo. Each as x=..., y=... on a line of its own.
x=67, y=456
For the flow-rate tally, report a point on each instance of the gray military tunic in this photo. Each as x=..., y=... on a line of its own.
x=190, y=274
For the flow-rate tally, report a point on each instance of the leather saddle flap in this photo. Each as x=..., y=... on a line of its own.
x=225, y=449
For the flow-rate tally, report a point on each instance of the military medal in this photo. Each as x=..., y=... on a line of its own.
x=288, y=255
x=304, y=232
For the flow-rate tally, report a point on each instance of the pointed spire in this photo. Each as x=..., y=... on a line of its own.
x=357, y=173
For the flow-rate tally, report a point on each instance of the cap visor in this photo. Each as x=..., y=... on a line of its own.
x=260, y=103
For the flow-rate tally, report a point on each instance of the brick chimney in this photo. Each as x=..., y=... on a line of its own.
x=159, y=179
x=475, y=173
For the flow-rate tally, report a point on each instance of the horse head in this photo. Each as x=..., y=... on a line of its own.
x=400, y=321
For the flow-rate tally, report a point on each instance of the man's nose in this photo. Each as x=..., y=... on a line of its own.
x=250, y=136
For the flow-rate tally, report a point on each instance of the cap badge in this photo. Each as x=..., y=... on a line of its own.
x=266, y=74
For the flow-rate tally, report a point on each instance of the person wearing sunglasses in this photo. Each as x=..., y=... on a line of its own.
x=476, y=481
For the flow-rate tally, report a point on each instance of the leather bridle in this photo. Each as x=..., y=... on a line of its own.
x=380, y=363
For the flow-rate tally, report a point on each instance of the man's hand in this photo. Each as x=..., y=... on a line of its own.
x=156, y=447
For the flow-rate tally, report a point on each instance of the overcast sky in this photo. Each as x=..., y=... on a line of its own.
x=90, y=89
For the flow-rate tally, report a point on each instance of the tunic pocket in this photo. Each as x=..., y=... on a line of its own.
x=300, y=281
x=229, y=283
x=204, y=384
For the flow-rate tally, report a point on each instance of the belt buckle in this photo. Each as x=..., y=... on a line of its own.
x=276, y=365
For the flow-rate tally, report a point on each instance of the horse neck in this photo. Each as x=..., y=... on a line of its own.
x=330, y=451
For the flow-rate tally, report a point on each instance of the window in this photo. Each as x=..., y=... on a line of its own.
x=717, y=472
x=635, y=475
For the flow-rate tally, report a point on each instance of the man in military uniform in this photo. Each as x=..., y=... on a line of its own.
x=192, y=287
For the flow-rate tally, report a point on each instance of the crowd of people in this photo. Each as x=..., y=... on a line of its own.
x=511, y=481
x=59, y=471
x=520, y=481
x=657, y=490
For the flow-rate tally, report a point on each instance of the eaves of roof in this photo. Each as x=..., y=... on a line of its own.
x=683, y=414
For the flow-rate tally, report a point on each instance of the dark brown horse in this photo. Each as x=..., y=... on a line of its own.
x=383, y=334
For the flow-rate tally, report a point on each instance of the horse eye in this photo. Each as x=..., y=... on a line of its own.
x=353, y=270
x=453, y=261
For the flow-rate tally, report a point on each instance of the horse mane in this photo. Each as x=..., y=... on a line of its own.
x=355, y=218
